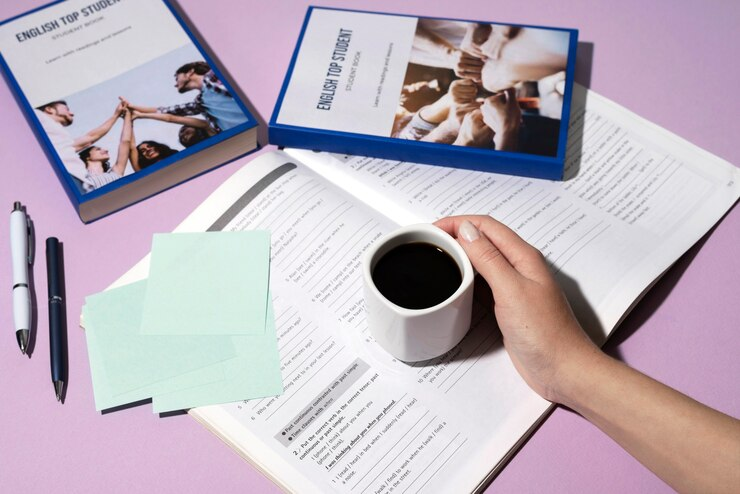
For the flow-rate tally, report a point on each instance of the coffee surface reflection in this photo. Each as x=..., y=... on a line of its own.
x=417, y=275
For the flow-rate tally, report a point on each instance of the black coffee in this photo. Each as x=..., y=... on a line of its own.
x=417, y=275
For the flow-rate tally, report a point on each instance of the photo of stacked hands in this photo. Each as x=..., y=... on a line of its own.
x=212, y=110
x=489, y=86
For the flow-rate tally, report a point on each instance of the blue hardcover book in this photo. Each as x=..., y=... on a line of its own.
x=484, y=96
x=124, y=99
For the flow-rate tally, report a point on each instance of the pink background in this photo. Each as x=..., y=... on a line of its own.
x=674, y=63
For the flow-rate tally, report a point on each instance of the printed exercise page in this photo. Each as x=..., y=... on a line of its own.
x=353, y=419
x=634, y=198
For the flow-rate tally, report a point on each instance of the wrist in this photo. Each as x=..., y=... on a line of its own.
x=453, y=55
x=580, y=376
x=463, y=140
x=507, y=139
x=433, y=114
x=505, y=143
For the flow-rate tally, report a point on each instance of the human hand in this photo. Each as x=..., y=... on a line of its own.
x=501, y=113
x=444, y=133
x=474, y=132
x=463, y=91
x=120, y=109
x=475, y=35
x=437, y=112
x=554, y=83
x=462, y=94
x=497, y=38
x=416, y=95
x=552, y=89
x=467, y=66
x=459, y=112
x=542, y=336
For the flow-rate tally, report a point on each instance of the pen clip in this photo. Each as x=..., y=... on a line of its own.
x=31, y=237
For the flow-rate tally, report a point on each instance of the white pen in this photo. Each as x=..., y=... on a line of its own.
x=20, y=245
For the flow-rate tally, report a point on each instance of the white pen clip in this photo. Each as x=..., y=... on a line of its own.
x=30, y=236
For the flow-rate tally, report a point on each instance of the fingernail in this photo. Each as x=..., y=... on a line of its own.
x=468, y=231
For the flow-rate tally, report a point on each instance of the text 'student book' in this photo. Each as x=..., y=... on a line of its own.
x=477, y=95
x=123, y=98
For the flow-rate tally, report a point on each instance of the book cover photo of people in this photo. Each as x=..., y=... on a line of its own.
x=140, y=118
x=481, y=85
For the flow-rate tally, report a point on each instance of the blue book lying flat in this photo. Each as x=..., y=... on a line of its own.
x=483, y=96
x=123, y=98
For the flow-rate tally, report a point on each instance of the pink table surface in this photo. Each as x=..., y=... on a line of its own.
x=674, y=63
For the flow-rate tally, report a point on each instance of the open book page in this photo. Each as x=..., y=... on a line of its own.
x=634, y=199
x=353, y=419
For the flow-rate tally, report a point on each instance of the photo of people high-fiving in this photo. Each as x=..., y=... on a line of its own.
x=484, y=85
x=138, y=118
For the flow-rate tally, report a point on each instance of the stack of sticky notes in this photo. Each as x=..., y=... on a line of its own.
x=198, y=331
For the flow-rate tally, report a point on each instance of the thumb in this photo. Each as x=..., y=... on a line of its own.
x=486, y=258
x=511, y=100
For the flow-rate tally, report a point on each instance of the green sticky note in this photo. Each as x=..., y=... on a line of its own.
x=133, y=361
x=104, y=399
x=207, y=283
x=254, y=373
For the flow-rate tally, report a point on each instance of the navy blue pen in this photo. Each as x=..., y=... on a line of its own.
x=56, y=314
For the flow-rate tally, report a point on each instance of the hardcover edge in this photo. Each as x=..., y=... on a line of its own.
x=430, y=153
x=532, y=166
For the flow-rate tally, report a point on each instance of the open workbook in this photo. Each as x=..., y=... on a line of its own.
x=352, y=419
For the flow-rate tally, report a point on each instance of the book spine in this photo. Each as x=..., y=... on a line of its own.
x=70, y=187
x=416, y=152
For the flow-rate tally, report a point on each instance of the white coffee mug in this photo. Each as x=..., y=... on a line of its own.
x=413, y=335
